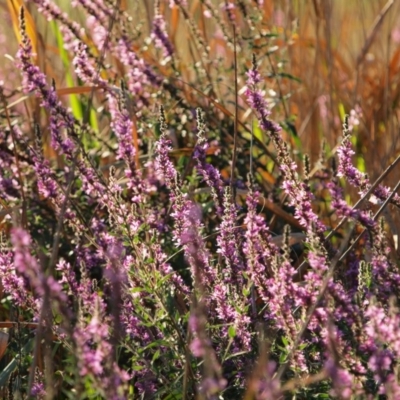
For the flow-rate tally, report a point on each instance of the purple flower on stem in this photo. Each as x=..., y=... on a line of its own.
x=209, y=173
x=164, y=165
x=268, y=387
x=344, y=210
x=342, y=381
x=257, y=101
x=299, y=194
x=353, y=175
x=186, y=214
x=385, y=279
x=212, y=379
x=13, y=283
x=228, y=242
x=160, y=36
x=139, y=74
x=96, y=10
x=258, y=247
x=27, y=266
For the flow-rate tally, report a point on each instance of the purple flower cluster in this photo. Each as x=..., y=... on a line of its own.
x=160, y=36
x=257, y=101
x=344, y=210
x=209, y=174
x=300, y=195
x=354, y=176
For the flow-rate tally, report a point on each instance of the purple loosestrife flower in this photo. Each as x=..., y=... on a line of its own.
x=201, y=347
x=300, y=198
x=132, y=324
x=209, y=173
x=344, y=210
x=299, y=194
x=34, y=80
x=46, y=184
x=71, y=30
x=114, y=275
x=93, y=9
x=228, y=290
x=337, y=302
x=159, y=35
x=354, y=117
x=383, y=340
x=267, y=386
x=342, y=380
x=186, y=214
x=227, y=311
x=48, y=187
x=26, y=265
x=344, y=307
x=261, y=256
x=314, y=277
x=59, y=117
x=228, y=243
x=98, y=32
x=284, y=292
x=345, y=167
x=86, y=70
x=146, y=384
x=13, y=283
x=257, y=101
x=167, y=172
x=139, y=74
x=122, y=125
x=120, y=115
x=106, y=9
x=95, y=356
x=385, y=279
x=164, y=165
x=161, y=265
x=68, y=277
x=193, y=244
x=353, y=175
x=258, y=248
x=95, y=348
x=344, y=384
x=38, y=388
x=87, y=291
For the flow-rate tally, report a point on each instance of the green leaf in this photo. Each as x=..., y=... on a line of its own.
x=155, y=356
x=137, y=367
x=257, y=131
x=9, y=369
x=285, y=341
x=287, y=75
x=236, y=355
x=232, y=332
